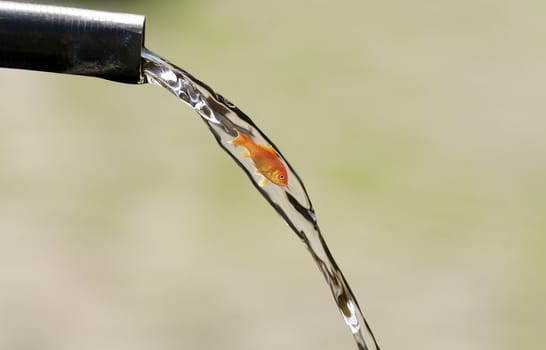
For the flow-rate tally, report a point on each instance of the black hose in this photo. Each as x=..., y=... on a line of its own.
x=71, y=41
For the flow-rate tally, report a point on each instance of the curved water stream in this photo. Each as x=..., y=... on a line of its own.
x=261, y=159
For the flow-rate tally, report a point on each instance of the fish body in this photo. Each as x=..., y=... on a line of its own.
x=265, y=159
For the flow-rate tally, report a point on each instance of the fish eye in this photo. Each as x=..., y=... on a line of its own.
x=281, y=176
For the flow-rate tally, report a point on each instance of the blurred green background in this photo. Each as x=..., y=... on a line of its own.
x=417, y=127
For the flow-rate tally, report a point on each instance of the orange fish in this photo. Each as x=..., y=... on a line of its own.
x=265, y=159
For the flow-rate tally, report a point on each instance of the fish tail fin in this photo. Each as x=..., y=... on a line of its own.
x=241, y=139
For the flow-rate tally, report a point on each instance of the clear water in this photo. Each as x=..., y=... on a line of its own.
x=290, y=200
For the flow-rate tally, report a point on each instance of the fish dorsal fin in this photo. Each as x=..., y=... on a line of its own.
x=270, y=148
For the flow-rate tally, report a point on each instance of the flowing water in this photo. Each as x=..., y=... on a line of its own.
x=270, y=173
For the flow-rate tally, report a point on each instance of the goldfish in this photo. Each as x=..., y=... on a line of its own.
x=265, y=159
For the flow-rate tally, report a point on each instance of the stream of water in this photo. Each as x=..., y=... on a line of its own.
x=270, y=173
